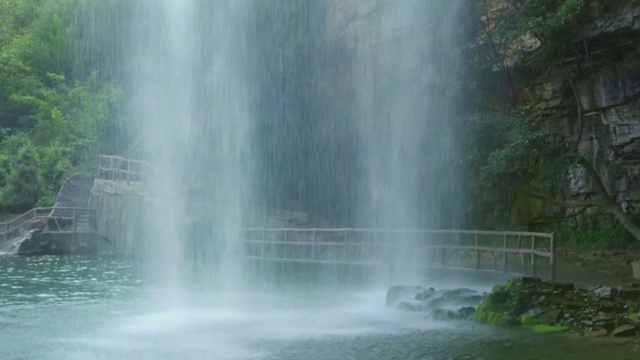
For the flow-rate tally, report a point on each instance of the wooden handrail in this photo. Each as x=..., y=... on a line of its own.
x=511, y=243
x=120, y=168
x=408, y=231
x=18, y=222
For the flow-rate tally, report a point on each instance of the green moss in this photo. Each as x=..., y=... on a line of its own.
x=634, y=316
x=494, y=311
x=530, y=321
x=539, y=326
x=511, y=284
x=496, y=319
x=497, y=288
x=549, y=329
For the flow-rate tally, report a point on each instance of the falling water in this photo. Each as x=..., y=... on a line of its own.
x=191, y=104
x=240, y=107
x=404, y=79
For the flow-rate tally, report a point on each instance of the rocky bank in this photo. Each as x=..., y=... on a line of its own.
x=544, y=306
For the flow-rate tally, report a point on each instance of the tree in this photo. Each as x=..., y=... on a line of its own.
x=56, y=112
x=538, y=35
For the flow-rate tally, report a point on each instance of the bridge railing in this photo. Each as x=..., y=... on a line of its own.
x=526, y=253
x=59, y=219
x=116, y=168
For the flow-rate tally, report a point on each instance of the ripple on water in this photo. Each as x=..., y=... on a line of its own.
x=98, y=313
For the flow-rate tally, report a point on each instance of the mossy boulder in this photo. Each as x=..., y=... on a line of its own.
x=555, y=307
x=494, y=310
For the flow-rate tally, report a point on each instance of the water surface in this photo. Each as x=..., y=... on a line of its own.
x=75, y=308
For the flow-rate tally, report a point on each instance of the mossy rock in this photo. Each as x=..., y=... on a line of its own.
x=494, y=310
x=540, y=327
x=549, y=329
x=528, y=320
x=496, y=319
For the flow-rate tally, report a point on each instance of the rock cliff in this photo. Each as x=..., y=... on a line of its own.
x=606, y=77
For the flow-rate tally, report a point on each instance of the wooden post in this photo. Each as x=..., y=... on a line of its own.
x=263, y=244
x=6, y=231
x=505, y=256
x=553, y=255
x=286, y=246
x=477, y=251
x=128, y=170
x=313, y=245
x=443, y=253
x=75, y=222
x=458, y=248
x=346, y=247
x=534, y=259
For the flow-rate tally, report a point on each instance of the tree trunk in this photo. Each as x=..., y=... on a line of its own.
x=608, y=202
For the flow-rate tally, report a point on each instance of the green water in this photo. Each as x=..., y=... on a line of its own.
x=74, y=308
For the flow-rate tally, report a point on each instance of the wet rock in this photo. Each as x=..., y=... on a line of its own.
x=466, y=312
x=597, y=333
x=629, y=294
x=604, y=292
x=454, y=297
x=535, y=312
x=401, y=293
x=602, y=317
x=563, y=287
x=411, y=306
x=426, y=294
x=415, y=298
x=551, y=317
x=442, y=314
x=624, y=331
x=547, y=306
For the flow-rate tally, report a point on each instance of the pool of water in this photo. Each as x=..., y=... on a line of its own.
x=74, y=308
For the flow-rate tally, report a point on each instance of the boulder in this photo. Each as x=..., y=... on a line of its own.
x=548, y=306
x=444, y=304
x=624, y=331
x=635, y=266
x=401, y=293
x=597, y=333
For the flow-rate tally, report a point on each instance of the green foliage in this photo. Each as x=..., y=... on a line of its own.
x=55, y=118
x=541, y=158
x=599, y=231
x=537, y=33
x=512, y=146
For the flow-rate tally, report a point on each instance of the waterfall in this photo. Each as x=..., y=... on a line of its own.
x=192, y=110
x=405, y=75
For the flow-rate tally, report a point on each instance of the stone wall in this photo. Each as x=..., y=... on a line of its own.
x=120, y=210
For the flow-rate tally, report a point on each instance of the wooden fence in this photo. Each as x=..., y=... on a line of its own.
x=58, y=219
x=521, y=253
x=497, y=251
x=116, y=168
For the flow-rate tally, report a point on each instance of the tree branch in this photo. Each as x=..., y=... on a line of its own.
x=566, y=204
x=597, y=180
x=574, y=90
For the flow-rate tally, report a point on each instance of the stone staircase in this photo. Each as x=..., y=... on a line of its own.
x=83, y=224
